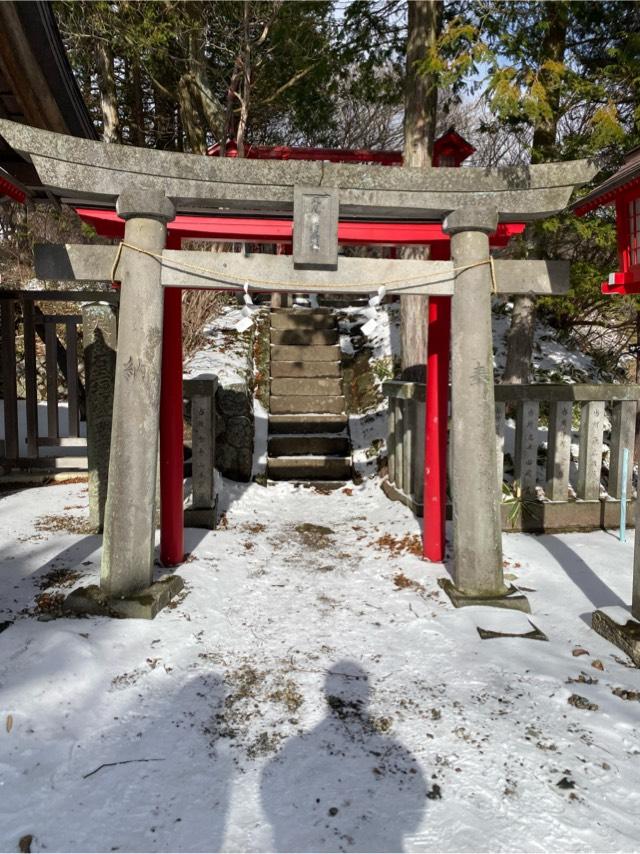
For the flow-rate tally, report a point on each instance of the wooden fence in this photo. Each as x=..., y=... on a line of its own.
x=30, y=441
x=22, y=324
x=549, y=486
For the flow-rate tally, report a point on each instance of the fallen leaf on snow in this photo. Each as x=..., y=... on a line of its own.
x=579, y=650
x=582, y=703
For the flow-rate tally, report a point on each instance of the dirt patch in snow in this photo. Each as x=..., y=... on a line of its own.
x=410, y=543
x=314, y=537
x=70, y=524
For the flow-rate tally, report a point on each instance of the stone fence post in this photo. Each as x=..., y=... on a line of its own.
x=202, y=394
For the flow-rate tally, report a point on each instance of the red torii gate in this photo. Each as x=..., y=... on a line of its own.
x=449, y=150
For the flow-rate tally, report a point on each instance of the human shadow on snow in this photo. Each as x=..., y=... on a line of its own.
x=344, y=785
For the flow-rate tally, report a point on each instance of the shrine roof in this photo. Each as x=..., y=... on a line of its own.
x=37, y=86
x=451, y=143
x=608, y=191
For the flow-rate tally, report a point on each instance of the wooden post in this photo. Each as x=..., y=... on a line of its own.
x=51, y=361
x=10, y=400
x=30, y=377
x=72, y=378
x=171, y=429
x=436, y=424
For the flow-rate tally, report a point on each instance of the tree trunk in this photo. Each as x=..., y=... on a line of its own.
x=421, y=90
x=189, y=94
x=111, y=131
x=138, y=135
x=523, y=319
x=190, y=116
x=421, y=101
x=246, y=85
x=517, y=368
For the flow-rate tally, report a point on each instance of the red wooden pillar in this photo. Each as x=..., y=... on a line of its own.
x=436, y=417
x=171, y=428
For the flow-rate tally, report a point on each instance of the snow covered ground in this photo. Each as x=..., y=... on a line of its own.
x=314, y=690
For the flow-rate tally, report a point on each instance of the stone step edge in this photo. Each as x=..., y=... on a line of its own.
x=307, y=457
x=341, y=435
x=289, y=362
x=327, y=416
x=307, y=415
x=313, y=394
x=307, y=482
x=301, y=309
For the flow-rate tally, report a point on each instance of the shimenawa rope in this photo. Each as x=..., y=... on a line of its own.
x=400, y=284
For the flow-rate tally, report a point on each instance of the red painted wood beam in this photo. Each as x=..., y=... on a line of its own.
x=108, y=224
x=171, y=428
x=436, y=424
x=9, y=189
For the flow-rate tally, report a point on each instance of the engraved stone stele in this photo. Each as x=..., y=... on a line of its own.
x=99, y=331
x=315, y=228
x=202, y=511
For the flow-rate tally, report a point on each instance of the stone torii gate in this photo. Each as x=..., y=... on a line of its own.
x=149, y=187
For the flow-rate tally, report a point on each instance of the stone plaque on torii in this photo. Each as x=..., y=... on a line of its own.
x=149, y=186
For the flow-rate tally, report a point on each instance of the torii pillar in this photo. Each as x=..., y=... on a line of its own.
x=126, y=576
x=477, y=532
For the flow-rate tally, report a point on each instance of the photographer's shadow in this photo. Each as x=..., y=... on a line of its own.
x=345, y=785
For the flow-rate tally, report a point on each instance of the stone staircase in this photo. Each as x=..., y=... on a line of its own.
x=308, y=436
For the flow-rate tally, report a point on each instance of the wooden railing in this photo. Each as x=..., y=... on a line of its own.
x=547, y=486
x=26, y=444
x=405, y=443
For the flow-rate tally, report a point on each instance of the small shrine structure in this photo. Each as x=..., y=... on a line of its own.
x=150, y=189
x=450, y=150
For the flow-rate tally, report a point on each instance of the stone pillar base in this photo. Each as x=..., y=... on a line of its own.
x=624, y=635
x=198, y=517
x=143, y=605
x=513, y=598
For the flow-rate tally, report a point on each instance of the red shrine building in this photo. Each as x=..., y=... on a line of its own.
x=622, y=189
